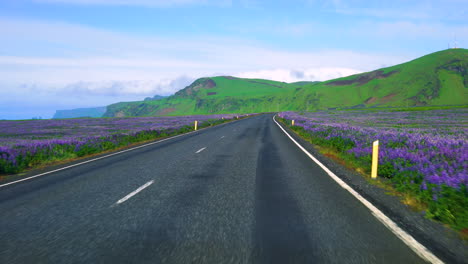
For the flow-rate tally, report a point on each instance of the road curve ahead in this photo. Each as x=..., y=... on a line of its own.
x=236, y=193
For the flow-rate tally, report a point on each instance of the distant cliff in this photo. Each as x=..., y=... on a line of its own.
x=81, y=112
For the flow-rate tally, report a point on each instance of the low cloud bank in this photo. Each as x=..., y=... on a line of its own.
x=296, y=75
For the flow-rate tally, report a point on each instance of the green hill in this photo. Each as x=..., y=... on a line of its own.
x=440, y=78
x=223, y=94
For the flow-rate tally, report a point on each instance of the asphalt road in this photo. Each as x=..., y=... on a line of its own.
x=237, y=193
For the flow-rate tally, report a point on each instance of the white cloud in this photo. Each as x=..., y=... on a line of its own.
x=106, y=55
x=124, y=88
x=97, y=62
x=92, y=67
x=311, y=74
x=110, y=88
x=16, y=102
x=62, y=71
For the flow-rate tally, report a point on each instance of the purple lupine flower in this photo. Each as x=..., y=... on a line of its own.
x=31, y=137
x=423, y=186
x=432, y=145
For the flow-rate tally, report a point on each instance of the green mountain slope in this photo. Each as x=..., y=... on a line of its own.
x=223, y=94
x=439, y=78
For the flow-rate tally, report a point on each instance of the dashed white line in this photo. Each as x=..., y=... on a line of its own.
x=103, y=157
x=134, y=192
x=200, y=150
x=222, y=137
x=106, y=156
x=412, y=243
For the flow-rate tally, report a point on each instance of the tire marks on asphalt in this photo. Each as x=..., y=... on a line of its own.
x=280, y=232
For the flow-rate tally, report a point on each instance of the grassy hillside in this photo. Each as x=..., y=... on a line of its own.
x=439, y=78
x=223, y=94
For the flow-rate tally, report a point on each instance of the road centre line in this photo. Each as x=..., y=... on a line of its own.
x=200, y=150
x=110, y=155
x=141, y=188
x=412, y=243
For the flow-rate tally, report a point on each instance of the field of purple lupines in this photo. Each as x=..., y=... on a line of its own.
x=29, y=143
x=422, y=153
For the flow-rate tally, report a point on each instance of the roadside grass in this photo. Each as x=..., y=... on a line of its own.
x=450, y=207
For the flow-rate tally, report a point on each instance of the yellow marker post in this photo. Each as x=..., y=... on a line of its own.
x=375, y=159
x=196, y=125
x=292, y=123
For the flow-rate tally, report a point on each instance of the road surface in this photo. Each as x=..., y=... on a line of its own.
x=237, y=193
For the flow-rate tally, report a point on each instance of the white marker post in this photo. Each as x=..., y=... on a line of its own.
x=375, y=159
x=196, y=125
x=292, y=122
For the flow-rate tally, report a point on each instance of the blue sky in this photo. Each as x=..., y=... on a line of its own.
x=63, y=54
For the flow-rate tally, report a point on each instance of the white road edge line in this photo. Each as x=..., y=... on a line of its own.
x=412, y=243
x=106, y=156
x=200, y=150
x=134, y=192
